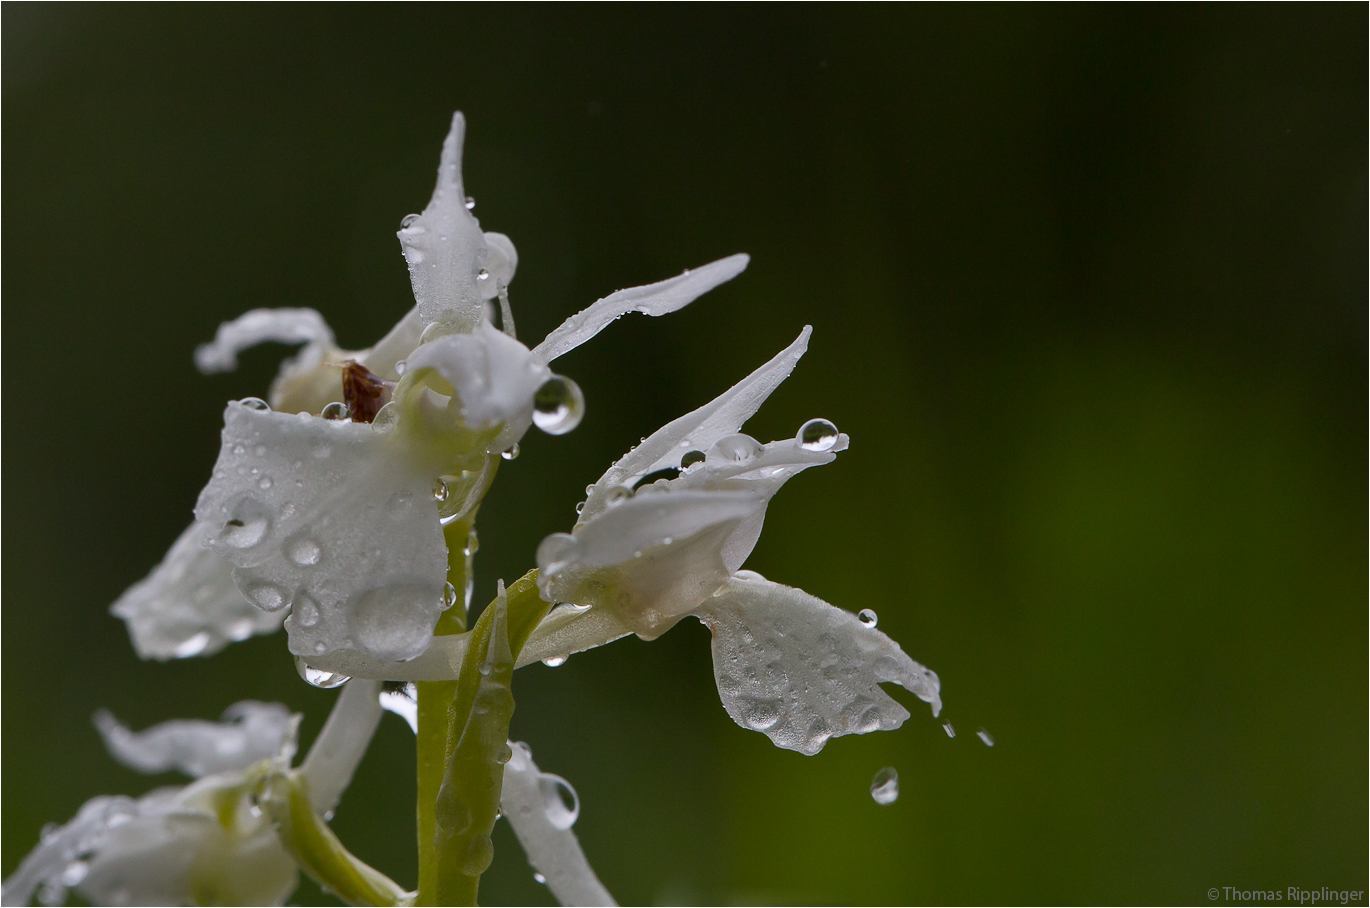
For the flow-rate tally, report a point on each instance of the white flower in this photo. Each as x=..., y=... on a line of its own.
x=664, y=533
x=340, y=521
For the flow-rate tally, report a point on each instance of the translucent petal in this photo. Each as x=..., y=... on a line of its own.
x=391, y=349
x=250, y=731
x=654, y=299
x=570, y=629
x=698, y=430
x=649, y=560
x=445, y=248
x=338, y=750
x=331, y=518
x=285, y=326
x=801, y=671
x=60, y=847
x=188, y=605
x=495, y=378
x=553, y=849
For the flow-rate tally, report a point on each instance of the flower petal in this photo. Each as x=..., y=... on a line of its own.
x=338, y=750
x=698, y=430
x=188, y=605
x=801, y=671
x=332, y=518
x=445, y=248
x=552, y=847
x=250, y=731
x=284, y=326
x=397, y=344
x=653, y=299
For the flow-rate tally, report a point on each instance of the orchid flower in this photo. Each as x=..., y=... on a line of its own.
x=343, y=508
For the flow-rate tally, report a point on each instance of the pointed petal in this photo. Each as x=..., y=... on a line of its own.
x=550, y=843
x=698, y=430
x=284, y=326
x=653, y=299
x=445, y=248
x=332, y=518
x=188, y=605
x=801, y=671
x=250, y=731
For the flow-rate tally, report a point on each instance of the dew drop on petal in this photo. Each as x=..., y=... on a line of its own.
x=817, y=435
x=74, y=873
x=559, y=800
x=192, y=646
x=558, y=405
x=336, y=410
x=305, y=612
x=401, y=366
x=248, y=524
x=737, y=448
x=868, y=617
x=885, y=786
x=554, y=661
x=408, y=221
x=255, y=403
x=319, y=677
x=985, y=736
x=511, y=452
x=268, y=597
x=440, y=490
x=305, y=552
x=482, y=275
x=946, y=727
x=691, y=458
x=556, y=551
x=618, y=495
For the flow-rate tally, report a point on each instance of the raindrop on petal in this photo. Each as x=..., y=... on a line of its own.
x=539, y=878
x=470, y=202
x=319, y=677
x=511, y=452
x=554, y=661
x=449, y=596
x=555, y=792
x=192, y=646
x=336, y=410
x=255, y=403
x=737, y=448
x=558, y=405
x=691, y=458
x=305, y=552
x=868, y=617
x=440, y=490
x=885, y=786
x=817, y=435
x=482, y=275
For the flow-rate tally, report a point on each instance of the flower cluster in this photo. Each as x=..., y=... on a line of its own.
x=343, y=507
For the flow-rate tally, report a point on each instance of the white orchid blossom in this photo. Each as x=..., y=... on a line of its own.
x=343, y=508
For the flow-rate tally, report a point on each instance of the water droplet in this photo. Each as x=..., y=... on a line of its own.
x=74, y=873
x=248, y=524
x=394, y=622
x=336, y=410
x=482, y=275
x=472, y=544
x=816, y=435
x=559, y=800
x=760, y=714
x=470, y=202
x=449, y=596
x=984, y=736
x=440, y=490
x=554, y=661
x=400, y=367
x=885, y=786
x=539, y=878
x=305, y=612
x=618, y=495
x=946, y=727
x=305, y=552
x=318, y=677
x=504, y=754
x=408, y=222
x=691, y=458
x=556, y=551
x=511, y=452
x=580, y=507
x=868, y=617
x=268, y=597
x=192, y=646
x=558, y=405
x=255, y=403
x=264, y=483
x=735, y=449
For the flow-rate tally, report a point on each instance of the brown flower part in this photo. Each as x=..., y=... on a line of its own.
x=364, y=391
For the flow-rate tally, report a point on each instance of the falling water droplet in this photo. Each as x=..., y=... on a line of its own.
x=449, y=597
x=984, y=736
x=336, y=410
x=440, y=490
x=554, y=661
x=868, y=617
x=946, y=727
x=737, y=448
x=511, y=452
x=556, y=792
x=691, y=458
x=816, y=435
x=470, y=202
x=255, y=403
x=885, y=786
x=558, y=405
x=318, y=677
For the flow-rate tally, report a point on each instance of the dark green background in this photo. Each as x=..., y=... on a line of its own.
x=1088, y=288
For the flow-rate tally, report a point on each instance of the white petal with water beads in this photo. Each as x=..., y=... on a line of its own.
x=249, y=731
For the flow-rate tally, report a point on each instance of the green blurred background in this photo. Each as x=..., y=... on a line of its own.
x=1088, y=288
